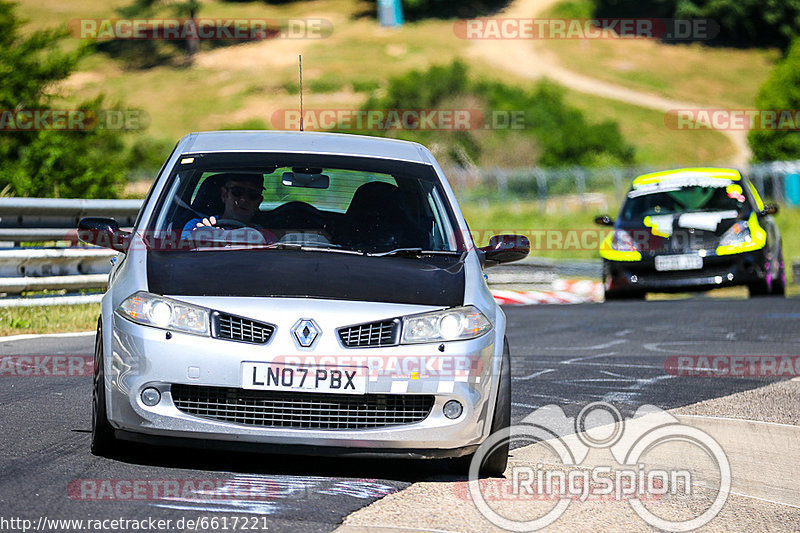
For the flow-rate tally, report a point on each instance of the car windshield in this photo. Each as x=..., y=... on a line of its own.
x=339, y=204
x=646, y=202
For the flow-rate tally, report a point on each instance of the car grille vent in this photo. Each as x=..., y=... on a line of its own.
x=370, y=335
x=240, y=329
x=301, y=410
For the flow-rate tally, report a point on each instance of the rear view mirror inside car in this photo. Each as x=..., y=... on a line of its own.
x=310, y=178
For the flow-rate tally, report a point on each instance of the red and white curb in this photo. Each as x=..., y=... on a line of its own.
x=564, y=292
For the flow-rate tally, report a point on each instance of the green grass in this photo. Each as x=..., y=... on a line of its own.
x=655, y=143
x=555, y=236
x=48, y=319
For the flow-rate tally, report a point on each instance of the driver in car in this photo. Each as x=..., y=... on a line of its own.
x=241, y=197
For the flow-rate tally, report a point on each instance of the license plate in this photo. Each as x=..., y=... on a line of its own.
x=678, y=262
x=300, y=378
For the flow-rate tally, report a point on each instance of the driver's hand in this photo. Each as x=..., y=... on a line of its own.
x=210, y=221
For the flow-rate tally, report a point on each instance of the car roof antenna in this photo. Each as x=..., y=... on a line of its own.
x=300, y=58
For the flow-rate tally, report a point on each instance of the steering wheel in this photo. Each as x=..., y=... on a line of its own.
x=231, y=223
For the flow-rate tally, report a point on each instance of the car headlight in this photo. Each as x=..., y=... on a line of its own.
x=623, y=242
x=159, y=312
x=739, y=233
x=458, y=323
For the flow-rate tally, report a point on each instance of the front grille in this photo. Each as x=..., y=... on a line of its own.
x=370, y=335
x=301, y=410
x=236, y=328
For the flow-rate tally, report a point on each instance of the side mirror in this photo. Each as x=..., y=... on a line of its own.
x=103, y=232
x=604, y=220
x=505, y=249
x=770, y=209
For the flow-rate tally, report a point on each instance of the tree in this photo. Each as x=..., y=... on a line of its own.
x=36, y=162
x=744, y=23
x=780, y=92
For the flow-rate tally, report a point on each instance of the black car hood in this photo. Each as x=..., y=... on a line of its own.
x=431, y=280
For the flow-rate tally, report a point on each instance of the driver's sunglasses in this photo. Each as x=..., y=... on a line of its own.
x=250, y=194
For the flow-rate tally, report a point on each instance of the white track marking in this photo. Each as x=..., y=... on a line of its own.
x=587, y=358
x=731, y=419
x=595, y=347
x=536, y=374
x=45, y=336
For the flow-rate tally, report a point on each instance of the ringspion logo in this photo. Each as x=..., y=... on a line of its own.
x=626, y=477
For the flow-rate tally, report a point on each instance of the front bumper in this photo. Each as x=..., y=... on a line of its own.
x=623, y=277
x=143, y=357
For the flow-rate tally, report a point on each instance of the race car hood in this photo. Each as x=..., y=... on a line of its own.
x=680, y=233
x=429, y=280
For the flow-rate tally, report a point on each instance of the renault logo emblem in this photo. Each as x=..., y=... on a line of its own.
x=305, y=332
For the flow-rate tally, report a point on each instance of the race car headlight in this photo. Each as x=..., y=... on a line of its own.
x=458, y=323
x=159, y=312
x=623, y=242
x=737, y=234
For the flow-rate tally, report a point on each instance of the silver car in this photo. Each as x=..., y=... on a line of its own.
x=305, y=293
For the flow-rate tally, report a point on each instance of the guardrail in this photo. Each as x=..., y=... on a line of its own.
x=54, y=220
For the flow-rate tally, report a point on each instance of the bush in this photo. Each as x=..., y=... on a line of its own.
x=553, y=133
x=780, y=92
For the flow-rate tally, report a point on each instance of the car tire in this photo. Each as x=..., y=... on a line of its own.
x=766, y=286
x=624, y=296
x=496, y=462
x=103, y=440
x=779, y=284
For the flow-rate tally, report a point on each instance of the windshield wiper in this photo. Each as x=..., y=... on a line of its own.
x=413, y=252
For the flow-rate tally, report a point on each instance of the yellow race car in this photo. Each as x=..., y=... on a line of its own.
x=692, y=229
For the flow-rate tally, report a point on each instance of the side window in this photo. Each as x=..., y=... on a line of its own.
x=441, y=233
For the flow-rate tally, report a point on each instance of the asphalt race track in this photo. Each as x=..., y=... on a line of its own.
x=568, y=355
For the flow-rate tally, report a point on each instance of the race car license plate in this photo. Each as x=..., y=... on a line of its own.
x=300, y=378
x=678, y=262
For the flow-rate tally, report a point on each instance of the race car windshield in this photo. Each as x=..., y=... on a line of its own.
x=641, y=204
x=304, y=203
